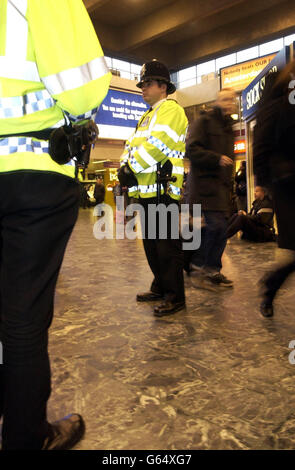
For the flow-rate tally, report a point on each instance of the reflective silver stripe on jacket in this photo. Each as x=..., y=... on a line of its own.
x=76, y=77
x=170, y=132
x=14, y=63
x=150, y=161
x=265, y=210
x=24, y=70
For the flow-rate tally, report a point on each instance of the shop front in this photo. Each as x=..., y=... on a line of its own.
x=238, y=77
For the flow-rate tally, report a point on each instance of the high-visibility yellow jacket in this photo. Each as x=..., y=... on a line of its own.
x=159, y=136
x=51, y=63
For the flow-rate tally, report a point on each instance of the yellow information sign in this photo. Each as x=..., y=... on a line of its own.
x=240, y=76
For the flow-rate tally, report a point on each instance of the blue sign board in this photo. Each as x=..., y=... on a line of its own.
x=252, y=94
x=121, y=109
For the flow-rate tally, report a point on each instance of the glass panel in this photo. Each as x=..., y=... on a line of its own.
x=187, y=83
x=226, y=61
x=125, y=74
x=135, y=76
x=289, y=39
x=272, y=46
x=135, y=69
x=186, y=74
x=206, y=67
x=174, y=77
x=247, y=54
x=121, y=65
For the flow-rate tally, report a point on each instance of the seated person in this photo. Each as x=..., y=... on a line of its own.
x=90, y=193
x=258, y=224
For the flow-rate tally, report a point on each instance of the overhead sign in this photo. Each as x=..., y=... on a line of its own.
x=240, y=146
x=239, y=76
x=252, y=94
x=119, y=113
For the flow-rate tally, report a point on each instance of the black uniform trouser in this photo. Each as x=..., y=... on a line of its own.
x=37, y=213
x=251, y=230
x=165, y=256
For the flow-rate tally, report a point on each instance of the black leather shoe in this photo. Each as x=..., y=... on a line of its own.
x=266, y=309
x=168, y=308
x=65, y=433
x=148, y=297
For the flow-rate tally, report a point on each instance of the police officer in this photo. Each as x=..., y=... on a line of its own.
x=159, y=139
x=51, y=64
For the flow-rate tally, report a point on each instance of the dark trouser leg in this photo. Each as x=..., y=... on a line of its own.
x=275, y=279
x=171, y=269
x=37, y=218
x=165, y=256
x=1, y=352
x=251, y=230
x=150, y=245
x=151, y=253
x=235, y=224
x=198, y=256
x=215, y=239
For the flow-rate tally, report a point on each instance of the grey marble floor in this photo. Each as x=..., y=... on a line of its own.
x=215, y=376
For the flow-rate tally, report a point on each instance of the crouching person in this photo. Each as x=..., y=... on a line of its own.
x=256, y=226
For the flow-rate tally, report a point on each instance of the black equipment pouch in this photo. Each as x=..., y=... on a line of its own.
x=164, y=176
x=126, y=176
x=73, y=142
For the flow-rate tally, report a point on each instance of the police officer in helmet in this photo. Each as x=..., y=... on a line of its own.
x=159, y=140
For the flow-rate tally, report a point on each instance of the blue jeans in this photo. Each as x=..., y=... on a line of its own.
x=214, y=241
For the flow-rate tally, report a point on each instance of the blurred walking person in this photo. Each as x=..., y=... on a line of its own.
x=274, y=167
x=210, y=148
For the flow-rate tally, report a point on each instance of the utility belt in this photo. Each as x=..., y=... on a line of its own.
x=41, y=135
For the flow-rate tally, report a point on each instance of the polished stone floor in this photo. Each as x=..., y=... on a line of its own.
x=215, y=376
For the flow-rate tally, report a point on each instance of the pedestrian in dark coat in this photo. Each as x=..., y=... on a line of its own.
x=274, y=167
x=210, y=148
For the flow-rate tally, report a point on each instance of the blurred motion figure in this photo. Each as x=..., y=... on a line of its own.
x=274, y=167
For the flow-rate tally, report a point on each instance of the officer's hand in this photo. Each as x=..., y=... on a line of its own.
x=225, y=161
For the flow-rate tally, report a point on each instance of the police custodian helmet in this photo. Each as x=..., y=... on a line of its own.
x=156, y=71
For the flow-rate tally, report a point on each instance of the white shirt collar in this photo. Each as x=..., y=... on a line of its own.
x=158, y=102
